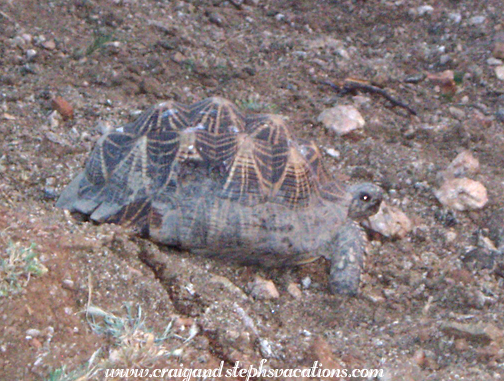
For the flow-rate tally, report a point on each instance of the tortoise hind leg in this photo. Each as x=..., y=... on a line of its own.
x=347, y=256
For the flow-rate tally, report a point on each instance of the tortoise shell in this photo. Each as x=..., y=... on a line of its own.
x=210, y=179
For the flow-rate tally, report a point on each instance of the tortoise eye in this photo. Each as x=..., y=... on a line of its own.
x=365, y=197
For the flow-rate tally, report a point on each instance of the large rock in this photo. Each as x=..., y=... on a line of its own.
x=342, y=119
x=462, y=194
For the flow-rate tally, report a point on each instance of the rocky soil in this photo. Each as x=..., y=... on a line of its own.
x=431, y=302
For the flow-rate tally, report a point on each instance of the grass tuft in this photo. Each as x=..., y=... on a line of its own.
x=253, y=104
x=17, y=267
x=134, y=345
x=99, y=41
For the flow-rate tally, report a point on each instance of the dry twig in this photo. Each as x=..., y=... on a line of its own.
x=350, y=85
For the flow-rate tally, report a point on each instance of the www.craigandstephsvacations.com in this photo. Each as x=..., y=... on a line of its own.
x=263, y=370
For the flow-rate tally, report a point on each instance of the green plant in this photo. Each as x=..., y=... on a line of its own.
x=82, y=373
x=17, y=268
x=99, y=40
x=255, y=105
x=189, y=65
x=134, y=345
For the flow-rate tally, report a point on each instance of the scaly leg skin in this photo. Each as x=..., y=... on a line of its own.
x=347, y=256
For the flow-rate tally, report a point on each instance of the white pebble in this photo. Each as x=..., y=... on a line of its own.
x=455, y=17
x=425, y=10
x=33, y=332
x=499, y=72
x=476, y=20
x=333, y=153
x=31, y=53
x=27, y=37
x=54, y=119
x=265, y=348
x=494, y=61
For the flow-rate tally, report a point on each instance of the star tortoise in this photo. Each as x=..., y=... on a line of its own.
x=216, y=182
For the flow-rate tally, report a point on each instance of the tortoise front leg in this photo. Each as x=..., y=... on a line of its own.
x=347, y=254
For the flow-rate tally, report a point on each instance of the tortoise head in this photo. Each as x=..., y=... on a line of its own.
x=365, y=201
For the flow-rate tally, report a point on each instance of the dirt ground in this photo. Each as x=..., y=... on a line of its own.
x=430, y=306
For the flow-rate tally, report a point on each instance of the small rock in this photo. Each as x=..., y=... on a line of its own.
x=477, y=332
x=33, y=332
x=499, y=72
x=326, y=43
x=263, y=289
x=294, y=290
x=455, y=17
x=451, y=236
x=279, y=16
x=361, y=100
x=494, y=61
x=444, y=59
x=7, y=116
x=446, y=80
x=415, y=78
x=342, y=119
x=49, y=45
x=462, y=194
x=375, y=298
x=54, y=119
x=27, y=37
x=441, y=78
x=390, y=222
x=333, y=153
x=477, y=20
x=306, y=282
x=498, y=51
x=179, y=57
x=456, y=113
x=216, y=18
x=31, y=54
x=266, y=349
x=63, y=107
x=36, y=343
x=464, y=164
x=425, y=10
x=68, y=284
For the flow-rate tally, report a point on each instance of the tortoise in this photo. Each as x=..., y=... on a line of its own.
x=209, y=179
